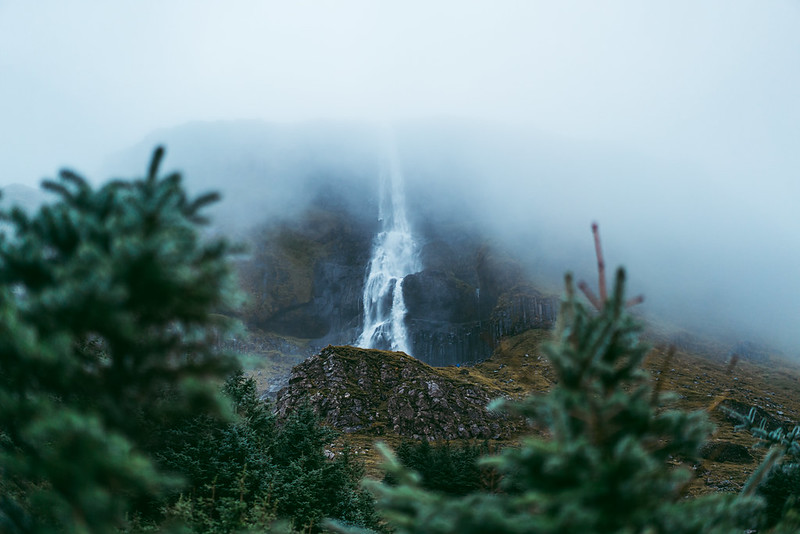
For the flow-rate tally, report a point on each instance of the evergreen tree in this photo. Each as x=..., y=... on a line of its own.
x=309, y=487
x=444, y=468
x=225, y=463
x=106, y=329
x=603, y=464
x=253, y=470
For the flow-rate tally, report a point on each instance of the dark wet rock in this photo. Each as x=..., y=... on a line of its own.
x=725, y=451
x=305, y=279
x=452, y=321
x=440, y=297
x=361, y=390
x=443, y=344
x=520, y=309
x=443, y=319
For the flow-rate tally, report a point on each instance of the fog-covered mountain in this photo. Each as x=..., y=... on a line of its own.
x=474, y=186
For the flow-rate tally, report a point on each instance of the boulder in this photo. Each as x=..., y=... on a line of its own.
x=373, y=391
x=725, y=451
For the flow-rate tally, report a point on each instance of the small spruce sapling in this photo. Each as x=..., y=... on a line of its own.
x=777, y=478
x=604, y=464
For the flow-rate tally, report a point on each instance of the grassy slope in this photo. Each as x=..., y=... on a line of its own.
x=700, y=380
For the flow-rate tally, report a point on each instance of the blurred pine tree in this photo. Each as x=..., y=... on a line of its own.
x=777, y=480
x=106, y=330
x=605, y=464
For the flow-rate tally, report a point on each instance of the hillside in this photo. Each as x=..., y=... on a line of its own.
x=382, y=395
x=306, y=200
x=699, y=381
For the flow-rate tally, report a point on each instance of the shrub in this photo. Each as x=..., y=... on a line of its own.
x=253, y=470
x=444, y=468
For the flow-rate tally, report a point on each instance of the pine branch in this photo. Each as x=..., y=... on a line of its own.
x=155, y=162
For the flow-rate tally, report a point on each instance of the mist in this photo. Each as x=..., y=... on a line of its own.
x=673, y=125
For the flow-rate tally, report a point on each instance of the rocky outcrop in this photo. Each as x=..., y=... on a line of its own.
x=443, y=344
x=439, y=297
x=443, y=319
x=519, y=309
x=361, y=390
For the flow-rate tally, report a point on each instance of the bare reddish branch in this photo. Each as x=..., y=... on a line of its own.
x=600, y=302
x=583, y=286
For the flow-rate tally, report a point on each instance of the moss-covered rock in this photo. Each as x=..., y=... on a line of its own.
x=372, y=391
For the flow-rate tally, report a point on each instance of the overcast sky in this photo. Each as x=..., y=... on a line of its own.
x=718, y=80
x=710, y=85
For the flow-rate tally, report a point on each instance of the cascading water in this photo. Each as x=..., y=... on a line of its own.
x=394, y=256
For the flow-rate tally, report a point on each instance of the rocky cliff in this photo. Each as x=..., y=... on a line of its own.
x=459, y=311
x=377, y=392
x=305, y=278
x=305, y=198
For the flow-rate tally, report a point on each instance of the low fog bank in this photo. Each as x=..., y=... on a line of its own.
x=265, y=171
x=712, y=247
x=709, y=248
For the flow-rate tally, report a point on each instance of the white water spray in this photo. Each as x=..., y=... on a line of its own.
x=394, y=256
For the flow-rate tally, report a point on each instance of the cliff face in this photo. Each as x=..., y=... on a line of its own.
x=305, y=279
x=372, y=391
x=459, y=314
x=305, y=272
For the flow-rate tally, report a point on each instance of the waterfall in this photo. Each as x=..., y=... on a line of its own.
x=394, y=256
